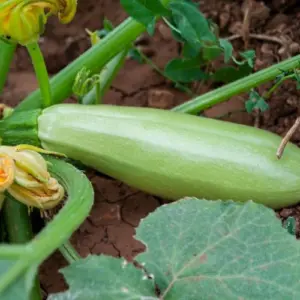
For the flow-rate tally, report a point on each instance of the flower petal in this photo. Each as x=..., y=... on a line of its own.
x=42, y=198
x=7, y=172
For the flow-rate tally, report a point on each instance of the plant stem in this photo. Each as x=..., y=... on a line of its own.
x=7, y=52
x=69, y=252
x=245, y=84
x=60, y=228
x=19, y=230
x=17, y=221
x=107, y=75
x=94, y=59
x=41, y=72
x=277, y=85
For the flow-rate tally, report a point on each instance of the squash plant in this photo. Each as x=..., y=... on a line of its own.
x=229, y=248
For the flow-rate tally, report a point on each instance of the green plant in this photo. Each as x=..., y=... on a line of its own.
x=248, y=229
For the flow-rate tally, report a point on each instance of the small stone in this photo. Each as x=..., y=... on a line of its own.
x=162, y=99
x=294, y=48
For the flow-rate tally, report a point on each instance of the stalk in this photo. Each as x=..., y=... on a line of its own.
x=41, y=73
x=7, y=52
x=69, y=252
x=242, y=85
x=94, y=59
x=19, y=230
x=78, y=206
x=17, y=221
x=107, y=75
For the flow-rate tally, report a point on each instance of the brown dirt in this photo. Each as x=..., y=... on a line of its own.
x=118, y=209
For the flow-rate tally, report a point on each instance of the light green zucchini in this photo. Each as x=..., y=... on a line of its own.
x=173, y=155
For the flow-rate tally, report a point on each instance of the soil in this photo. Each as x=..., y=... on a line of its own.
x=272, y=30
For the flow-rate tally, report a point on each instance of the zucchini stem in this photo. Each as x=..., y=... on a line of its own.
x=7, y=52
x=93, y=59
x=242, y=85
x=106, y=76
x=19, y=230
x=41, y=72
x=277, y=85
x=61, y=227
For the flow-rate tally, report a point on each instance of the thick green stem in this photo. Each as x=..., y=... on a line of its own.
x=7, y=52
x=41, y=73
x=17, y=221
x=94, y=59
x=19, y=230
x=245, y=84
x=58, y=231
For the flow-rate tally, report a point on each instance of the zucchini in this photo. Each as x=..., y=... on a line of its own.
x=173, y=155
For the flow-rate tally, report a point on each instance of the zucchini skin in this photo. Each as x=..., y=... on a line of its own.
x=173, y=155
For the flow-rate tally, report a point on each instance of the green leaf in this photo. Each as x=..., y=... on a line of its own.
x=151, y=27
x=211, y=53
x=138, y=11
x=184, y=70
x=192, y=24
x=262, y=105
x=290, y=225
x=188, y=51
x=229, y=74
x=297, y=78
x=228, y=49
x=144, y=11
x=256, y=102
x=107, y=278
x=135, y=55
x=155, y=6
x=107, y=24
x=21, y=287
x=199, y=249
x=249, y=56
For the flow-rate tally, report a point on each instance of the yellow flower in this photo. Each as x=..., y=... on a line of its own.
x=23, y=21
x=24, y=175
x=7, y=172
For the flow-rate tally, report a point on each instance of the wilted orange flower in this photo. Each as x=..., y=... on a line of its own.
x=23, y=21
x=24, y=175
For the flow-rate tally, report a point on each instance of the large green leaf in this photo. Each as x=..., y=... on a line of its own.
x=192, y=24
x=229, y=73
x=198, y=250
x=220, y=250
x=144, y=11
x=185, y=70
x=21, y=287
x=108, y=278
